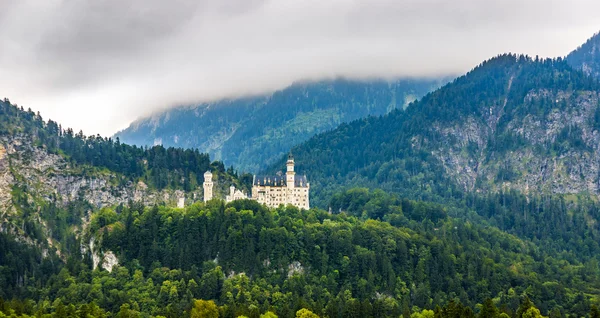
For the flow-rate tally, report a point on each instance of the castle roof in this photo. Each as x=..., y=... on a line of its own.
x=279, y=181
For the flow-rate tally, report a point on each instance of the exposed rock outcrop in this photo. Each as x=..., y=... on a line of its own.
x=470, y=154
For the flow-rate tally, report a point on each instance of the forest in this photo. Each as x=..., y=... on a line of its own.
x=382, y=256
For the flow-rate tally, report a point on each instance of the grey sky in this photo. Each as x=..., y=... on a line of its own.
x=98, y=65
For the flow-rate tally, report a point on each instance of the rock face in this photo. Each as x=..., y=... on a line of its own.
x=107, y=259
x=567, y=169
x=49, y=175
x=295, y=268
x=51, y=178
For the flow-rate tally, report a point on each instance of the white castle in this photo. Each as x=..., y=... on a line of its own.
x=269, y=190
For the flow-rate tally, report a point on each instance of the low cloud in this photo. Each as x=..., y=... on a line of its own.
x=98, y=65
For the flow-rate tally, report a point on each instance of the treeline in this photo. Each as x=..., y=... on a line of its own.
x=208, y=309
x=158, y=167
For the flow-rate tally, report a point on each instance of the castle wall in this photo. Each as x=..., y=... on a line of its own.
x=275, y=196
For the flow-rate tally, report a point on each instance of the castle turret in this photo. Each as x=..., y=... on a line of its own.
x=208, y=186
x=290, y=174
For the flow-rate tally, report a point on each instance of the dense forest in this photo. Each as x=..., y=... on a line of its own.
x=249, y=260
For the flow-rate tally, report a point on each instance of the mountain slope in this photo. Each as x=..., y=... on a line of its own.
x=51, y=179
x=251, y=133
x=511, y=123
x=587, y=57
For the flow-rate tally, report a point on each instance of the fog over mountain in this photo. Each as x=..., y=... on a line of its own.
x=97, y=66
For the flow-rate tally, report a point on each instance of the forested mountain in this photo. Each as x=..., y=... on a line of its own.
x=511, y=123
x=479, y=200
x=250, y=133
x=587, y=57
x=52, y=179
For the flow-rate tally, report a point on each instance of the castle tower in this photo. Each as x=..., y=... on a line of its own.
x=208, y=186
x=290, y=174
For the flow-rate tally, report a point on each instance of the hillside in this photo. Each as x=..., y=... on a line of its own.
x=250, y=133
x=244, y=259
x=51, y=179
x=587, y=57
x=511, y=123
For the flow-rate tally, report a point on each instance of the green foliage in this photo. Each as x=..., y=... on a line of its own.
x=244, y=259
x=204, y=309
x=305, y=313
x=594, y=312
x=247, y=252
x=423, y=314
x=488, y=310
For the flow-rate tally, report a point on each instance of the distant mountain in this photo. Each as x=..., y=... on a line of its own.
x=250, y=133
x=587, y=57
x=511, y=123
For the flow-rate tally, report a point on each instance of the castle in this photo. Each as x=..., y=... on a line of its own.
x=270, y=190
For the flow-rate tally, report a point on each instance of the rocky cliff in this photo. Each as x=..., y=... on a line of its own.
x=46, y=174
x=544, y=162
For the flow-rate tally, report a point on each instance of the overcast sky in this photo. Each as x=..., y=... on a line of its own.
x=97, y=65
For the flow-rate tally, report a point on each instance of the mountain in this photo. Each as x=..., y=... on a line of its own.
x=74, y=242
x=587, y=57
x=51, y=180
x=511, y=123
x=513, y=143
x=250, y=133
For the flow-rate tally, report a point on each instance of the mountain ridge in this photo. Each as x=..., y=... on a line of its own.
x=587, y=57
x=464, y=130
x=251, y=132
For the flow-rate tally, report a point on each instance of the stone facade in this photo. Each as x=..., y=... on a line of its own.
x=235, y=194
x=276, y=190
x=208, y=186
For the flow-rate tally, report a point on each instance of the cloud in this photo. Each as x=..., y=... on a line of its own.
x=98, y=65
